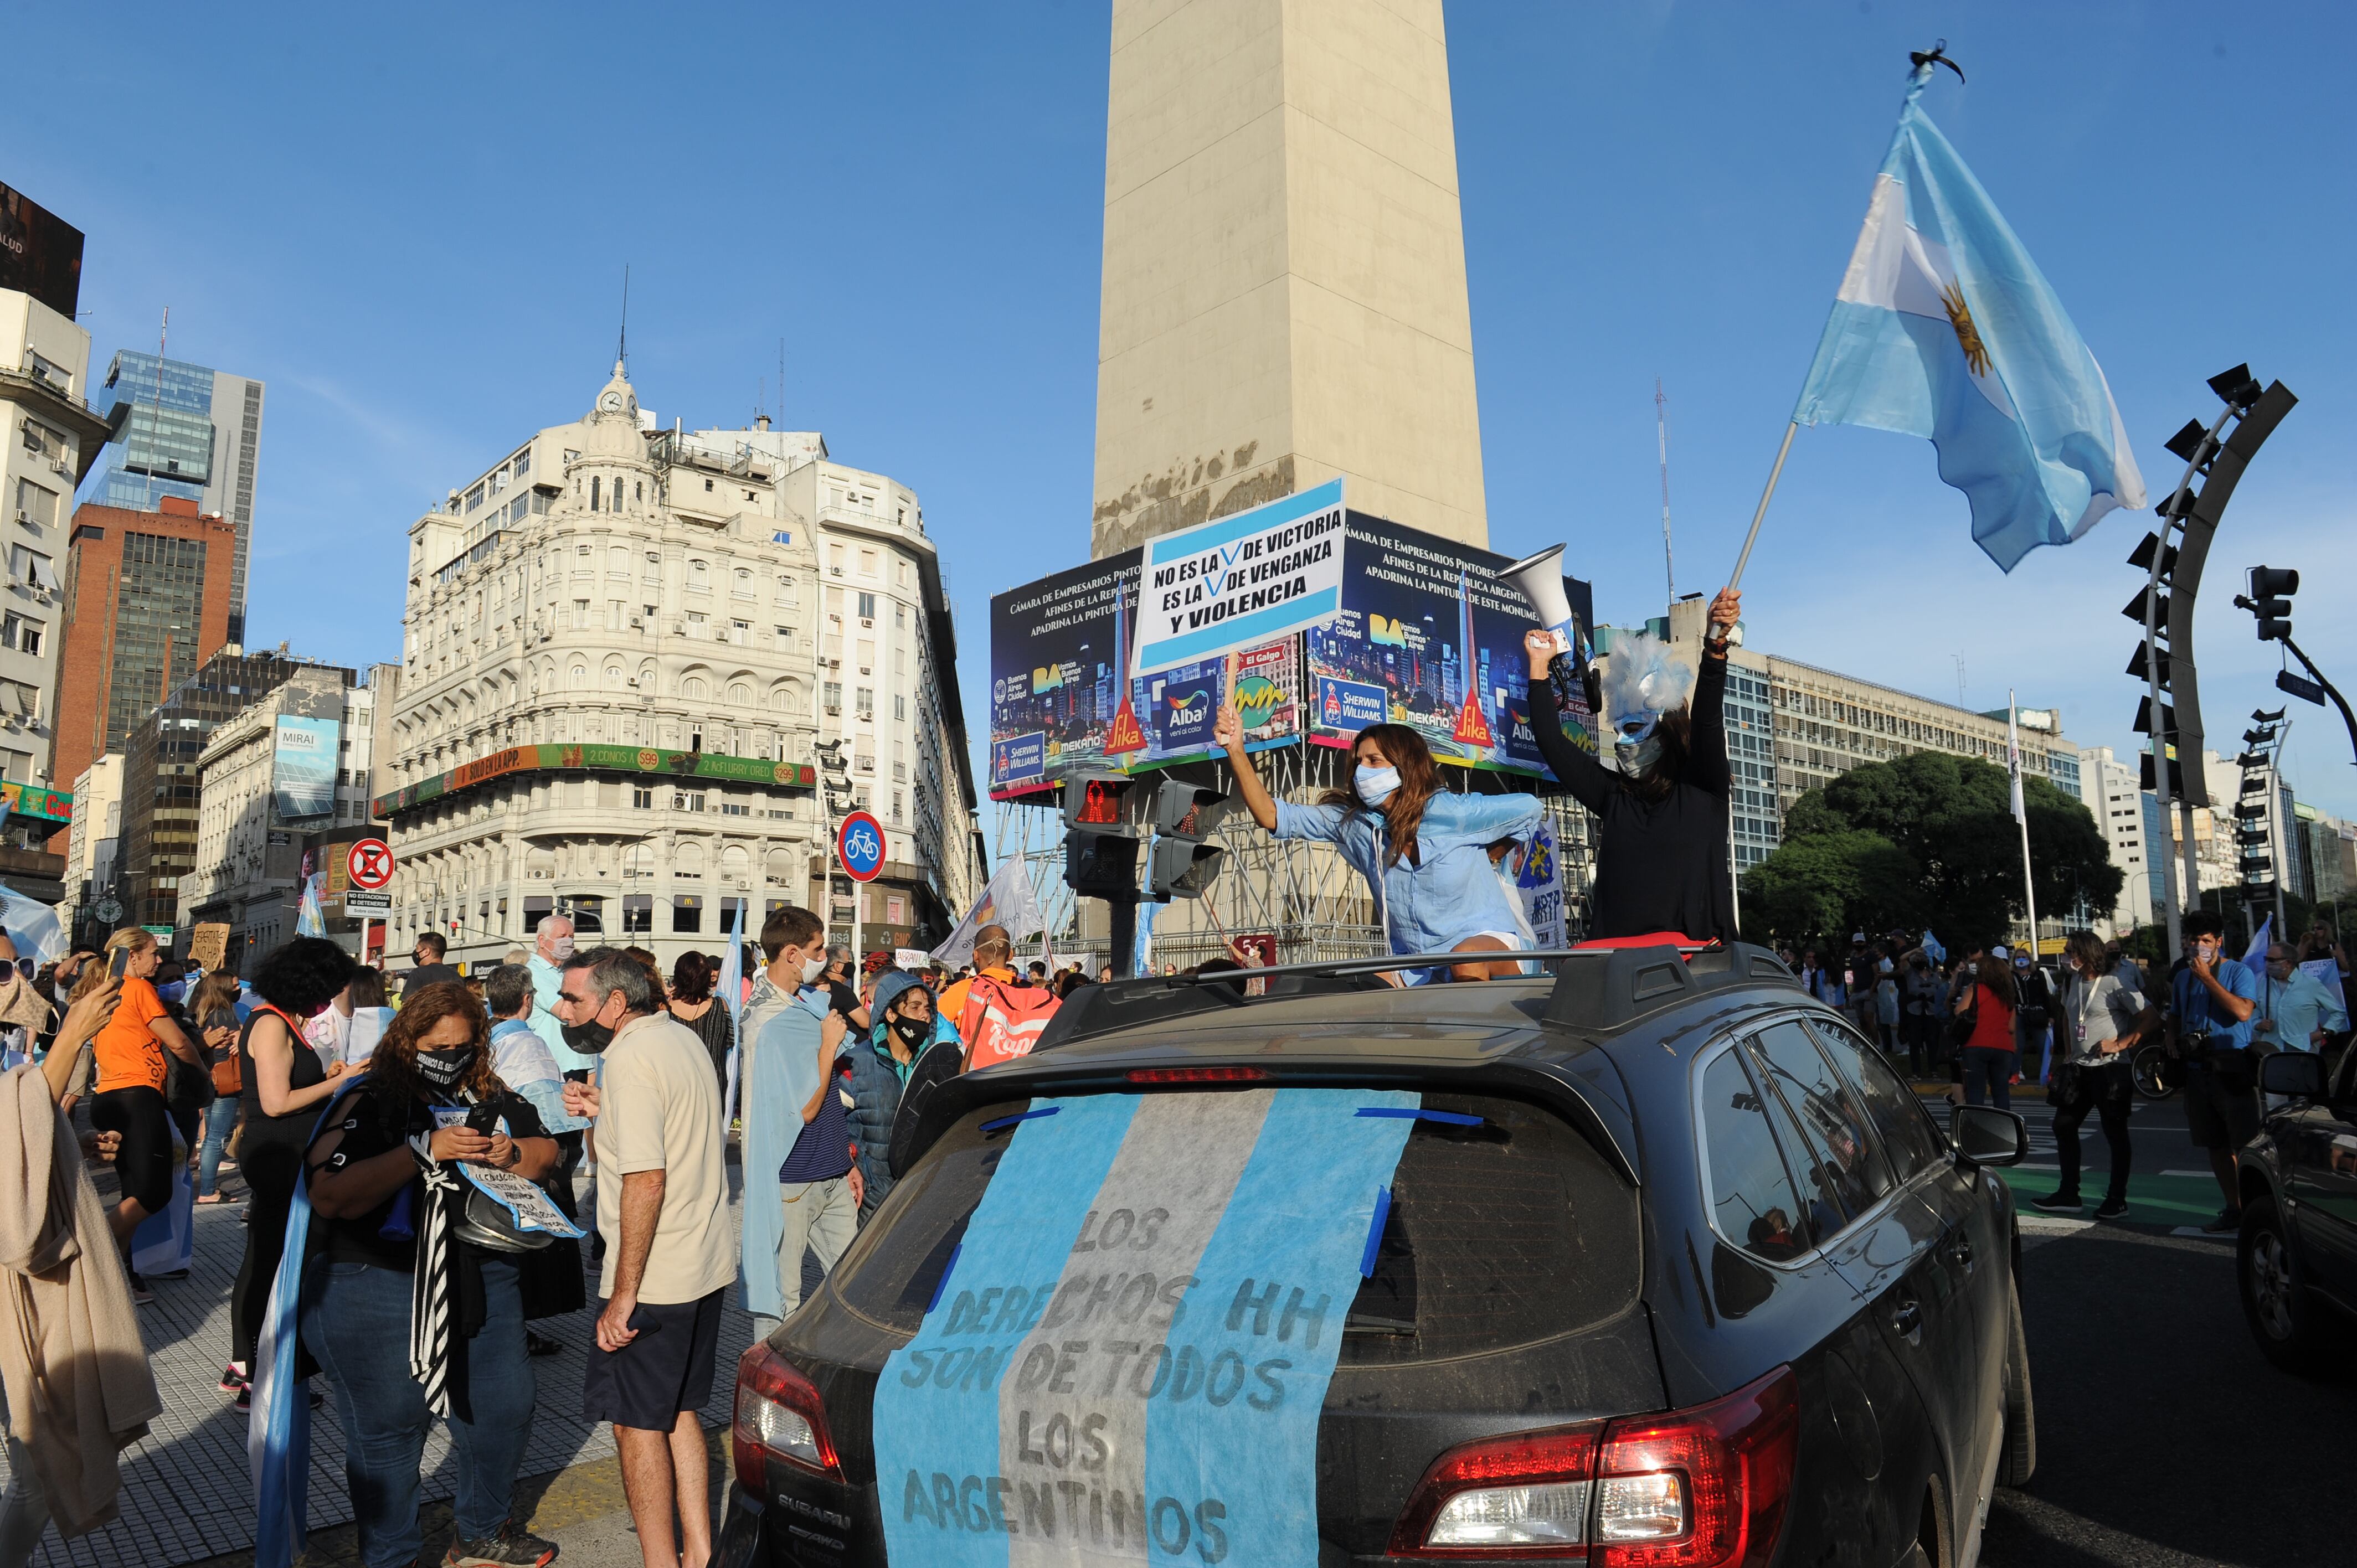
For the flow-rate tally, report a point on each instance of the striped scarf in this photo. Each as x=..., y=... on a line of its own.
x=429, y=1302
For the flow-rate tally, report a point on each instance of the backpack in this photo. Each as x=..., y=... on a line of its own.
x=1001, y=1024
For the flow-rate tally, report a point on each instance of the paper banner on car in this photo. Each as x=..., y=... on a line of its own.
x=1128, y=1354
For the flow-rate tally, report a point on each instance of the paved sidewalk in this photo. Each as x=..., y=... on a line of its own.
x=187, y=1490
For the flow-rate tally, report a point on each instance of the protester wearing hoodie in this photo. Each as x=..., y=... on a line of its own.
x=907, y=1024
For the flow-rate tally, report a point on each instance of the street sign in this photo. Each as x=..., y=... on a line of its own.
x=859, y=845
x=358, y=903
x=370, y=864
x=2299, y=686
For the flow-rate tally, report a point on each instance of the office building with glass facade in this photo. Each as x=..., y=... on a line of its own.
x=189, y=432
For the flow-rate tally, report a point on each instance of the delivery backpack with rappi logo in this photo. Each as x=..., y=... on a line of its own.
x=1000, y=1023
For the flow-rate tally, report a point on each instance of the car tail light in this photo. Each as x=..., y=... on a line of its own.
x=1705, y=1487
x=1196, y=1074
x=778, y=1416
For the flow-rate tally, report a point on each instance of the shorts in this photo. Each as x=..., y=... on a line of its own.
x=2221, y=1100
x=144, y=1165
x=666, y=1370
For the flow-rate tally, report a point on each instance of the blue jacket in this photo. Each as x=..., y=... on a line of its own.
x=877, y=1079
x=1455, y=892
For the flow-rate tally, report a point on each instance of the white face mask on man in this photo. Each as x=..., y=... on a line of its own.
x=560, y=948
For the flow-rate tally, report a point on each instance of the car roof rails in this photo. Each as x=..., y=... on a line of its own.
x=1605, y=989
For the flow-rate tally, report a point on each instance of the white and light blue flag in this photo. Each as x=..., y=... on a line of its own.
x=1946, y=328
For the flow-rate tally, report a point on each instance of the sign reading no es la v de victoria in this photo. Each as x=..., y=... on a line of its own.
x=1240, y=582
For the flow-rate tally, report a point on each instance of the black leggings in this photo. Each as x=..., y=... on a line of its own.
x=2106, y=1091
x=144, y=1165
x=270, y=1172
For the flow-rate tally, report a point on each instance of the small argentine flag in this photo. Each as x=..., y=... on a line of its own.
x=1946, y=328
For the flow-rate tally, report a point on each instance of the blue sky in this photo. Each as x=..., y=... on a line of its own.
x=411, y=223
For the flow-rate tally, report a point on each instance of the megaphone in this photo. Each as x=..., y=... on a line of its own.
x=1540, y=578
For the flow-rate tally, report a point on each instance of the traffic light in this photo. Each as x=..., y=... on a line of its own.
x=2271, y=592
x=1184, y=816
x=1101, y=838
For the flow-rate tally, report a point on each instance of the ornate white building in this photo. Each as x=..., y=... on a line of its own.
x=620, y=645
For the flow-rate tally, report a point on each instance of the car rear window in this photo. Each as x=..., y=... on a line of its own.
x=1499, y=1234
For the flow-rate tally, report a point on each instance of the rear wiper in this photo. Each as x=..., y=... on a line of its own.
x=1370, y=1323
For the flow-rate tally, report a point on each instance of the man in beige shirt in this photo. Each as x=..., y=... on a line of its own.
x=663, y=1210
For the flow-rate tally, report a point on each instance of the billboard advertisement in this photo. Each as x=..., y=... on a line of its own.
x=1429, y=637
x=302, y=769
x=1055, y=681
x=40, y=253
x=1409, y=606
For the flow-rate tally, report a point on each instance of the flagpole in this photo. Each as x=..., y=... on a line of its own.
x=2021, y=815
x=1773, y=474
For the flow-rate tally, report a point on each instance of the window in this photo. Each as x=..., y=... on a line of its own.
x=1908, y=1134
x=741, y=584
x=739, y=691
x=637, y=912
x=867, y=702
x=1752, y=1204
x=708, y=485
x=785, y=637
x=693, y=687
x=741, y=631
x=593, y=503
x=696, y=625
x=735, y=808
x=1836, y=1158
x=867, y=607
x=643, y=799
x=832, y=693
x=900, y=706
x=867, y=563
x=686, y=912
x=474, y=497
x=699, y=574
x=523, y=464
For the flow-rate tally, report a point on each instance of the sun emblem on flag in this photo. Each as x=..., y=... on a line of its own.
x=1968, y=336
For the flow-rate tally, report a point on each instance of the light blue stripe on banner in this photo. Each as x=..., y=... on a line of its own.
x=1241, y=630
x=936, y=1414
x=1275, y=514
x=1234, y=1430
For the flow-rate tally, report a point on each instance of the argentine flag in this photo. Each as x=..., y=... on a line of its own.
x=1946, y=328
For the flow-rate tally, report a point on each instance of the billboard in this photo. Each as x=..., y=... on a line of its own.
x=302, y=769
x=40, y=254
x=1410, y=607
x=1429, y=637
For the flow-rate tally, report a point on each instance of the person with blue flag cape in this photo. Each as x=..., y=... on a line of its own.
x=1944, y=327
x=407, y=1292
x=789, y=1088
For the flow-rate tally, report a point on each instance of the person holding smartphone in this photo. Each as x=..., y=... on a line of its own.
x=403, y=1347
x=130, y=1052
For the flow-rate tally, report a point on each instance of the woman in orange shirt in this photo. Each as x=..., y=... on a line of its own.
x=130, y=1091
x=1988, y=1056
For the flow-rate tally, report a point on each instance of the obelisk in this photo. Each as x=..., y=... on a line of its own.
x=1284, y=294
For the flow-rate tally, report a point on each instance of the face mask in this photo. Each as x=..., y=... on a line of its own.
x=589, y=1038
x=913, y=1030
x=812, y=969
x=446, y=1069
x=560, y=949
x=1638, y=757
x=1376, y=785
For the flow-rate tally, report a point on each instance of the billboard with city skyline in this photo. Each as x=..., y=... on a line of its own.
x=40, y=253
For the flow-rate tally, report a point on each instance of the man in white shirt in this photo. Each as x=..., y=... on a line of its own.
x=662, y=1210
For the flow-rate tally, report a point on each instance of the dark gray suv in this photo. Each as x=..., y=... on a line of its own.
x=1675, y=1270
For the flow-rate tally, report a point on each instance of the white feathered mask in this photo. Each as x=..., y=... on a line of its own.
x=1642, y=680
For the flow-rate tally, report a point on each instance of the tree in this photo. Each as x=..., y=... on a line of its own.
x=1950, y=820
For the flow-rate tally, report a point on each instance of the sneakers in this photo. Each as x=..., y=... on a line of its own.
x=511, y=1546
x=234, y=1380
x=244, y=1403
x=542, y=1344
x=2057, y=1203
x=2229, y=1220
x=2112, y=1208
x=140, y=1295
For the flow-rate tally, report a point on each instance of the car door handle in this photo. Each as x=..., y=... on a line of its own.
x=1908, y=1320
x=1963, y=1253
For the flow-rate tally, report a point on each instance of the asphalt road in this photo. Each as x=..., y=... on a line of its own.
x=2165, y=1438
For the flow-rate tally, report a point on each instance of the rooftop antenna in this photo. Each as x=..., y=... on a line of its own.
x=1960, y=680
x=622, y=342
x=782, y=384
x=1661, y=428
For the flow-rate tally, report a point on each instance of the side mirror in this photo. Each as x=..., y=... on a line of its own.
x=2298, y=1074
x=1987, y=1136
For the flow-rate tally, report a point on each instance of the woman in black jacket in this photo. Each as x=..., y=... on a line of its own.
x=1661, y=846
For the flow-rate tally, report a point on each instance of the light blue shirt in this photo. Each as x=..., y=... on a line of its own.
x=2298, y=1007
x=546, y=980
x=1455, y=892
x=2195, y=1013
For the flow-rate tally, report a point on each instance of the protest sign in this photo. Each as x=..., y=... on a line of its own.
x=1128, y=1353
x=1240, y=582
x=533, y=1209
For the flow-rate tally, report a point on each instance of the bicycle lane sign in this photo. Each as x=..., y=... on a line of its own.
x=859, y=845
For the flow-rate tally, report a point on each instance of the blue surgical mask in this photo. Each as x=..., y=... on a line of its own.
x=1638, y=757
x=1376, y=785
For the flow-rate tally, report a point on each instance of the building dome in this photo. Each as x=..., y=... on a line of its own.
x=613, y=423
